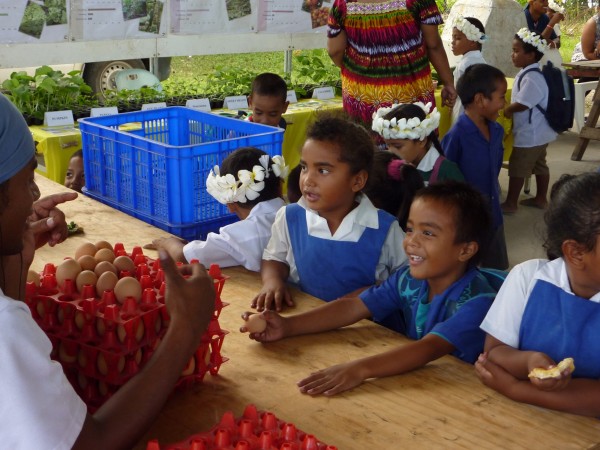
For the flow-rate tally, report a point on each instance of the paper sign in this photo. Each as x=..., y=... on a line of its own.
x=58, y=118
x=106, y=111
x=236, y=102
x=291, y=96
x=323, y=93
x=199, y=104
x=150, y=106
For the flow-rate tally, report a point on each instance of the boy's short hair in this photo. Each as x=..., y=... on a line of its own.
x=77, y=154
x=293, y=185
x=528, y=48
x=478, y=79
x=354, y=141
x=477, y=23
x=471, y=212
x=269, y=84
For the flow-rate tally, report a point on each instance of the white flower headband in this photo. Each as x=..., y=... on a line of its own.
x=412, y=128
x=226, y=189
x=554, y=6
x=533, y=39
x=471, y=31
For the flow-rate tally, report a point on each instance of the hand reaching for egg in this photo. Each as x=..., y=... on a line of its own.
x=267, y=326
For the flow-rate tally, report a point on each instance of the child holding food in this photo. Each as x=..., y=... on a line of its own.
x=249, y=182
x=549, y=310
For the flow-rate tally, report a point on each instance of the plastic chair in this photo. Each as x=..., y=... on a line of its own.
x=580, y=90
x=134, y=79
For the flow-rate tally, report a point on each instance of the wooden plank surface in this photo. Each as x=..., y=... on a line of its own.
x=440, y=406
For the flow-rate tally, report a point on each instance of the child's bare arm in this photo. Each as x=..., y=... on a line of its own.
x=513, y=108
x=274, y=292
x=342, y=377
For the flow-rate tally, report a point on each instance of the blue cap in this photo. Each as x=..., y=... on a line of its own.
x=16, y=144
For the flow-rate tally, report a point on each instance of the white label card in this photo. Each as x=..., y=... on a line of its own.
x=58, y=118
x=323, y=93
x=106, y=111
x=199, y=104
x=291, y=96
x=236, y=102
x=151, y=106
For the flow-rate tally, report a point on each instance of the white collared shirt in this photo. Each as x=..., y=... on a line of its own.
x=468, y=59
x=428, y=161
x=350, y=230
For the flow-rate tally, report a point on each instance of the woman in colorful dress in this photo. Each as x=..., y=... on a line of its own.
x=384, y=50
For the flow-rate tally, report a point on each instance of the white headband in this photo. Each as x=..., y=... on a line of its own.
x=226, y=189
x=471, y=31
x=533, y=38
x=412, y=128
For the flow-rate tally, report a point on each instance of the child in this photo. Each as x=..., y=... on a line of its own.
x=268, y=100
x=475, y=144
x=409, y=132
x=531, y=130
x=333, y=241
x=74, y=178
x=293, y=185
x=539, y=23
x=468, y=34
x=34, y=389
x=553, y=54
x=550, y=310
x=249, y=183
x=392, y=185
x=442, y=295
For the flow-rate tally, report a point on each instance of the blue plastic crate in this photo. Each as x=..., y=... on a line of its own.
x=157, y=169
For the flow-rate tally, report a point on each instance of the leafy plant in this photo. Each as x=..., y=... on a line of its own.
x=225, y=82
x=312, y=70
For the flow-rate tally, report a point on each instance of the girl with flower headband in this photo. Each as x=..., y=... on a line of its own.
x=409, y=132
x=531, y=130
x=392, y=185
x=468, y=35
x=249, y=183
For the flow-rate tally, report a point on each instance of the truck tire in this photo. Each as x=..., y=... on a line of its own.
x=100, y=75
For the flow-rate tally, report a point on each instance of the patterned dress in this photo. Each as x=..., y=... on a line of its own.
x=385, y=61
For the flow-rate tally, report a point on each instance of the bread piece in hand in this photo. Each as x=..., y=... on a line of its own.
x=555, y=372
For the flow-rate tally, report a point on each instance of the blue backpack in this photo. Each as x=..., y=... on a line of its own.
x=560, y=110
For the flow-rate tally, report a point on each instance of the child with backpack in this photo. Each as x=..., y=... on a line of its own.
x=531, y=131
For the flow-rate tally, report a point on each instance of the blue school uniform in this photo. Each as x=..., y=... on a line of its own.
x=454, y=315
x=561, y=324
x=540, y=25
x=330, y=269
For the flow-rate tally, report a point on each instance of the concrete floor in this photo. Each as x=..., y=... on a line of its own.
x=524, y=229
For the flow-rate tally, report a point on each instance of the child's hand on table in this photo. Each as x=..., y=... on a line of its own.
x=275, y=328
x=543, y=361
x=333, y=380
x=273, y=295
x=494, y=376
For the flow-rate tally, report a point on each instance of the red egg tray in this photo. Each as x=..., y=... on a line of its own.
x=255, y=430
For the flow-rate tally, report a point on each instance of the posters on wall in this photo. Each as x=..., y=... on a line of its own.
x=23, y=21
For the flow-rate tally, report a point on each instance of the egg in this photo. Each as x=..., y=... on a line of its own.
x=124, y=263
x=139, y=332
x=67, y=270
x=128, y=287
x=65, y=355
x=79, y=320
x=105, y=254
x=85, y=277
x=255, y=324
x=82, y=358
x=33, y=276
x=106, y=282
x=189, y=369
x=105, y=266
x=102, y=388
x=87, y=262
x=104, y=244
x=103, y=366
x=85, y=249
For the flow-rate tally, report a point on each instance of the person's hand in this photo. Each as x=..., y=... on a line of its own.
x=333, y=380
x=557, y=17
x=273, y=295
x=494, y=376
x=47, y=222
x=543, y=361
x=172, y=245
x=448, y=95
x=190, y=301
x=275, y=330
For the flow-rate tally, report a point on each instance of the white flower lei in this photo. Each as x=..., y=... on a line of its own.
x=555, y=6
x=227, y=189
x=471, y=31
x=412, y=128
x=533, y=38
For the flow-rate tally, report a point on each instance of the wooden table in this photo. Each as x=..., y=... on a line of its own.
x=588, y=69
x=440, y=406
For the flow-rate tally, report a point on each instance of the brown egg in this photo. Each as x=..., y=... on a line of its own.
x=105, y=254
x=79, y=320
x=85, y=277
x=106, y=281
x=32, y=275
x=124, y=263
x=103, y=365
x=189, y=369
x=85, y=249
x=67, y=270
x=139, y=332
x=87, y=262
x=64, y=355
x=128, y=287
x=82, y=358
x=105, y=266
x=82, y=380
x=103, y=244
x=256, y=324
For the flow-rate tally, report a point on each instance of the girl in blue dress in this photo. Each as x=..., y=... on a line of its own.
x=549, y=310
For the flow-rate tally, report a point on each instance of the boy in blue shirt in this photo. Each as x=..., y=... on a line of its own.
x=475, y=144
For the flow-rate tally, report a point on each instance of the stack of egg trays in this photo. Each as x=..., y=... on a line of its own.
x=85, y=328
x=255, y=430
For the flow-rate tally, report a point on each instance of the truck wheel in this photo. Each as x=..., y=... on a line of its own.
x=100, y=75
